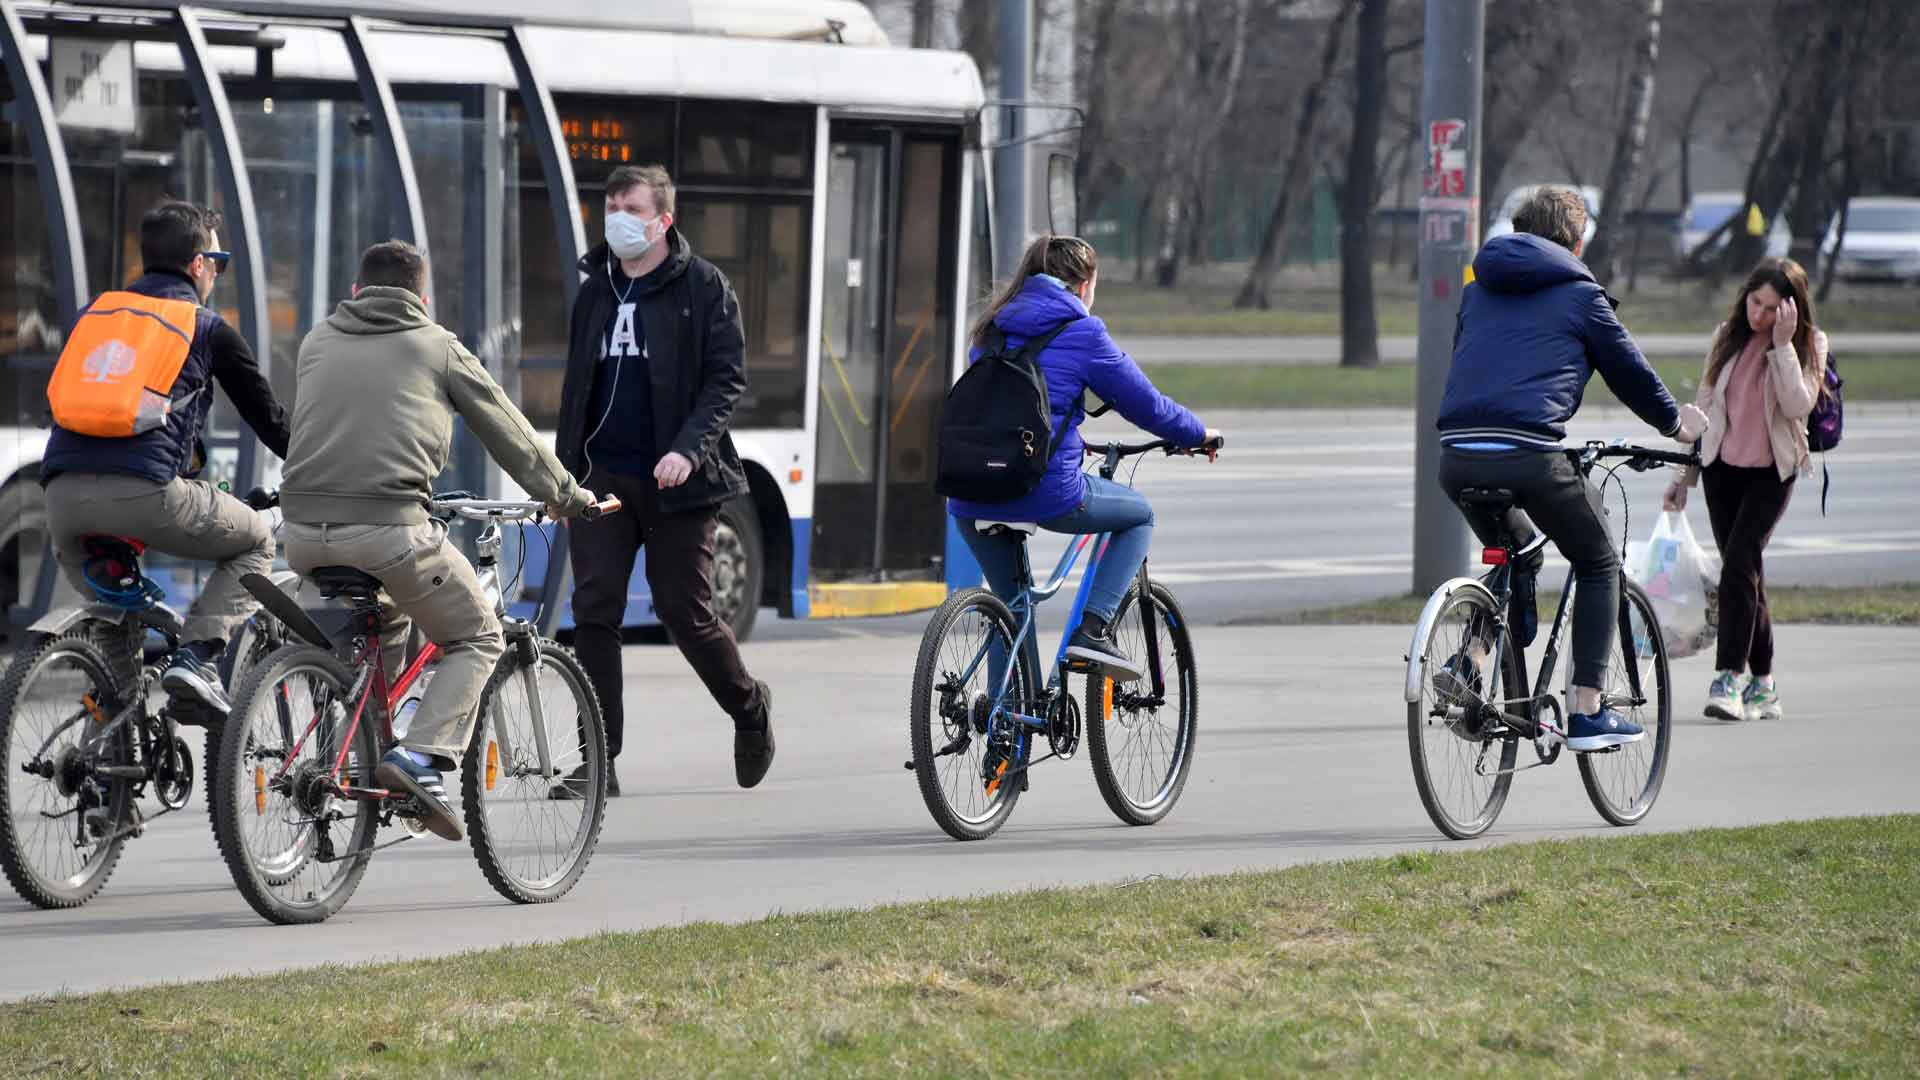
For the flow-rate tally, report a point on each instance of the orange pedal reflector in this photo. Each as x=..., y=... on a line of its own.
x=259, y=790
x=993, y=785
x=493, y=763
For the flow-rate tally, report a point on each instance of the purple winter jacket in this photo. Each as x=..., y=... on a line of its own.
x=1083, y=357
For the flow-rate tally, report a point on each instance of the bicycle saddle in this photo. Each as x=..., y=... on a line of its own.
x=991, y=527
x=335, y=581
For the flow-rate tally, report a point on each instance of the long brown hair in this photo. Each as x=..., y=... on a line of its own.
x=1068, y=258
x=1790, y=282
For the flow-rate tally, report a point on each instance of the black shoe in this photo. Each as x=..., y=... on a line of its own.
x=1093, y=649
x=753, y=746
x=191, y=681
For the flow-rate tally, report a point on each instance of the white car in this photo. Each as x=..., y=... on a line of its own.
x=1706, y=211
x=1883, y=238
x=1503, y=221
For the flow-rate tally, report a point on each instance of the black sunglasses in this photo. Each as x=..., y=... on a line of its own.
x=219, y=260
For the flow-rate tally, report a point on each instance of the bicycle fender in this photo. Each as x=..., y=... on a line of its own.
x=60, y=621
x=1416, y=678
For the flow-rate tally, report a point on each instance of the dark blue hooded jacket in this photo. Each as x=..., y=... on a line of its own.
x=1533, y=328
x=1083, y=357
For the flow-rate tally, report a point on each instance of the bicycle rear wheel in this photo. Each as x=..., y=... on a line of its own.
x=1623, y=782
x=1461, y=771
x=296, y=852
x=531, y=846
x=1142, y=747
x=54, y=693
x=953, y=692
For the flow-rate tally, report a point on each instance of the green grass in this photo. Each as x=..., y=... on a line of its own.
x=1873, y=605
x=1309, y=303
x=1783, y=950
x=1870, y=377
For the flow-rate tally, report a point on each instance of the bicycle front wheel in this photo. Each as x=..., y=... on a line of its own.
x=965, y=760
x=1623, y=782
x=1141, y=742
x=57, y=824
x=534, y=833
x=1461, y=766
x=296, y=850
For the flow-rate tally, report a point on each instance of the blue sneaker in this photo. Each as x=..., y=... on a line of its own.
x=1601, y=732
x=398, y=771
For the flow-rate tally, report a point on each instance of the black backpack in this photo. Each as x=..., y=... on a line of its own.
x=995, y=429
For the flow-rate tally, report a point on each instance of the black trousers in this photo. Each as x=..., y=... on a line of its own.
x=680, y=573
x=1550, y=493
x=1743, y=506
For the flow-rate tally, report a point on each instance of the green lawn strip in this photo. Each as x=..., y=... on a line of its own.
x=1658, y=306
x=1870, y=377
x=1788, y=949
x=1870, y=605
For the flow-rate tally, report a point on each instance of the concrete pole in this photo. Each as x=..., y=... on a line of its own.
x=1010, y=162
x=1450, y=108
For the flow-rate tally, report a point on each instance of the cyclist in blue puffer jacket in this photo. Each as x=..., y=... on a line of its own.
x=1054, y=285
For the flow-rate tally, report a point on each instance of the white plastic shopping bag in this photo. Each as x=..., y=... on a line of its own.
x=1683, y=581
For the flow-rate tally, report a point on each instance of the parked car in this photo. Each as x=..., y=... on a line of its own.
x=1503, y=221
x=1707, y=210
x=1883, y=238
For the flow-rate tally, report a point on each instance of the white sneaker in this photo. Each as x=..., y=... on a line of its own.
x=1723, y=698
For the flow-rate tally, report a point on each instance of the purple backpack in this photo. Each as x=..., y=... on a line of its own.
x=1823, y=425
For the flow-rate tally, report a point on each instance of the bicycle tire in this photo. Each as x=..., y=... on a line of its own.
x=480, y=768
x=932, y=705
x=272, y=882
x=1109, y=772
x=29, y=878
x=1623, y=784
x=1461, y=801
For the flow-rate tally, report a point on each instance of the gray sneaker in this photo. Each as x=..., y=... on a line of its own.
x=193, y=681
x=1723, y=698
x=1760, y=702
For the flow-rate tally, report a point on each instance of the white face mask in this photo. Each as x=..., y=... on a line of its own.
x=629, y=234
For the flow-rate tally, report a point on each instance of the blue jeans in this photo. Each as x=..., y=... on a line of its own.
x=1108, y=507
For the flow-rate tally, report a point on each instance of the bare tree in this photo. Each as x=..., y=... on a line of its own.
x=1257, y=290
x=1529, y=44
x=1630, y=140
x=1191, y=151
x=1359, y=190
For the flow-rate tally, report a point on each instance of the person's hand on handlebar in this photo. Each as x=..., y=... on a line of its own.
x=557, y=512
x=1693, y=424
x=1212, y=444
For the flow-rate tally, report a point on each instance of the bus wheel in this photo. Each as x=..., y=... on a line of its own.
x=739, y=566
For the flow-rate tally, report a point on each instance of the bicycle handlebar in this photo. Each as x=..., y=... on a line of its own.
x=1639, y=458
x=1124, y=450
x=509, y=509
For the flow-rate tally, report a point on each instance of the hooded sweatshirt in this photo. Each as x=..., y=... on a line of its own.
x=1533, y=328
x=376, y=388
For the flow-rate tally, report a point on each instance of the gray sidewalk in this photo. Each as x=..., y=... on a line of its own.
x=1301, y=756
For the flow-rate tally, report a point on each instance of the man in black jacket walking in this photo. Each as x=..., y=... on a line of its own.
x=655, y=364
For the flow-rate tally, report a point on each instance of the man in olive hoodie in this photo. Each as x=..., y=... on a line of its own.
x=376, y=389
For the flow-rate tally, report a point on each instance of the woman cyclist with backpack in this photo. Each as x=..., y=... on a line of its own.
x=1052, y=294
x=1764, y=373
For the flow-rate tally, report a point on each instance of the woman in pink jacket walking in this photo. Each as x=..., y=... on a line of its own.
x=1764, y=372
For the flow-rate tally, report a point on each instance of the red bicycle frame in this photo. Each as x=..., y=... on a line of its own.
x=370, y=653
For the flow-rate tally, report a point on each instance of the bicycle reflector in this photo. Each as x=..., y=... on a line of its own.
x=259, y=791
x=493, y=763
x=1493, y=556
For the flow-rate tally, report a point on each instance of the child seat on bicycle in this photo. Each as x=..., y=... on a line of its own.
x=1533, y=327
x=1054, y=285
